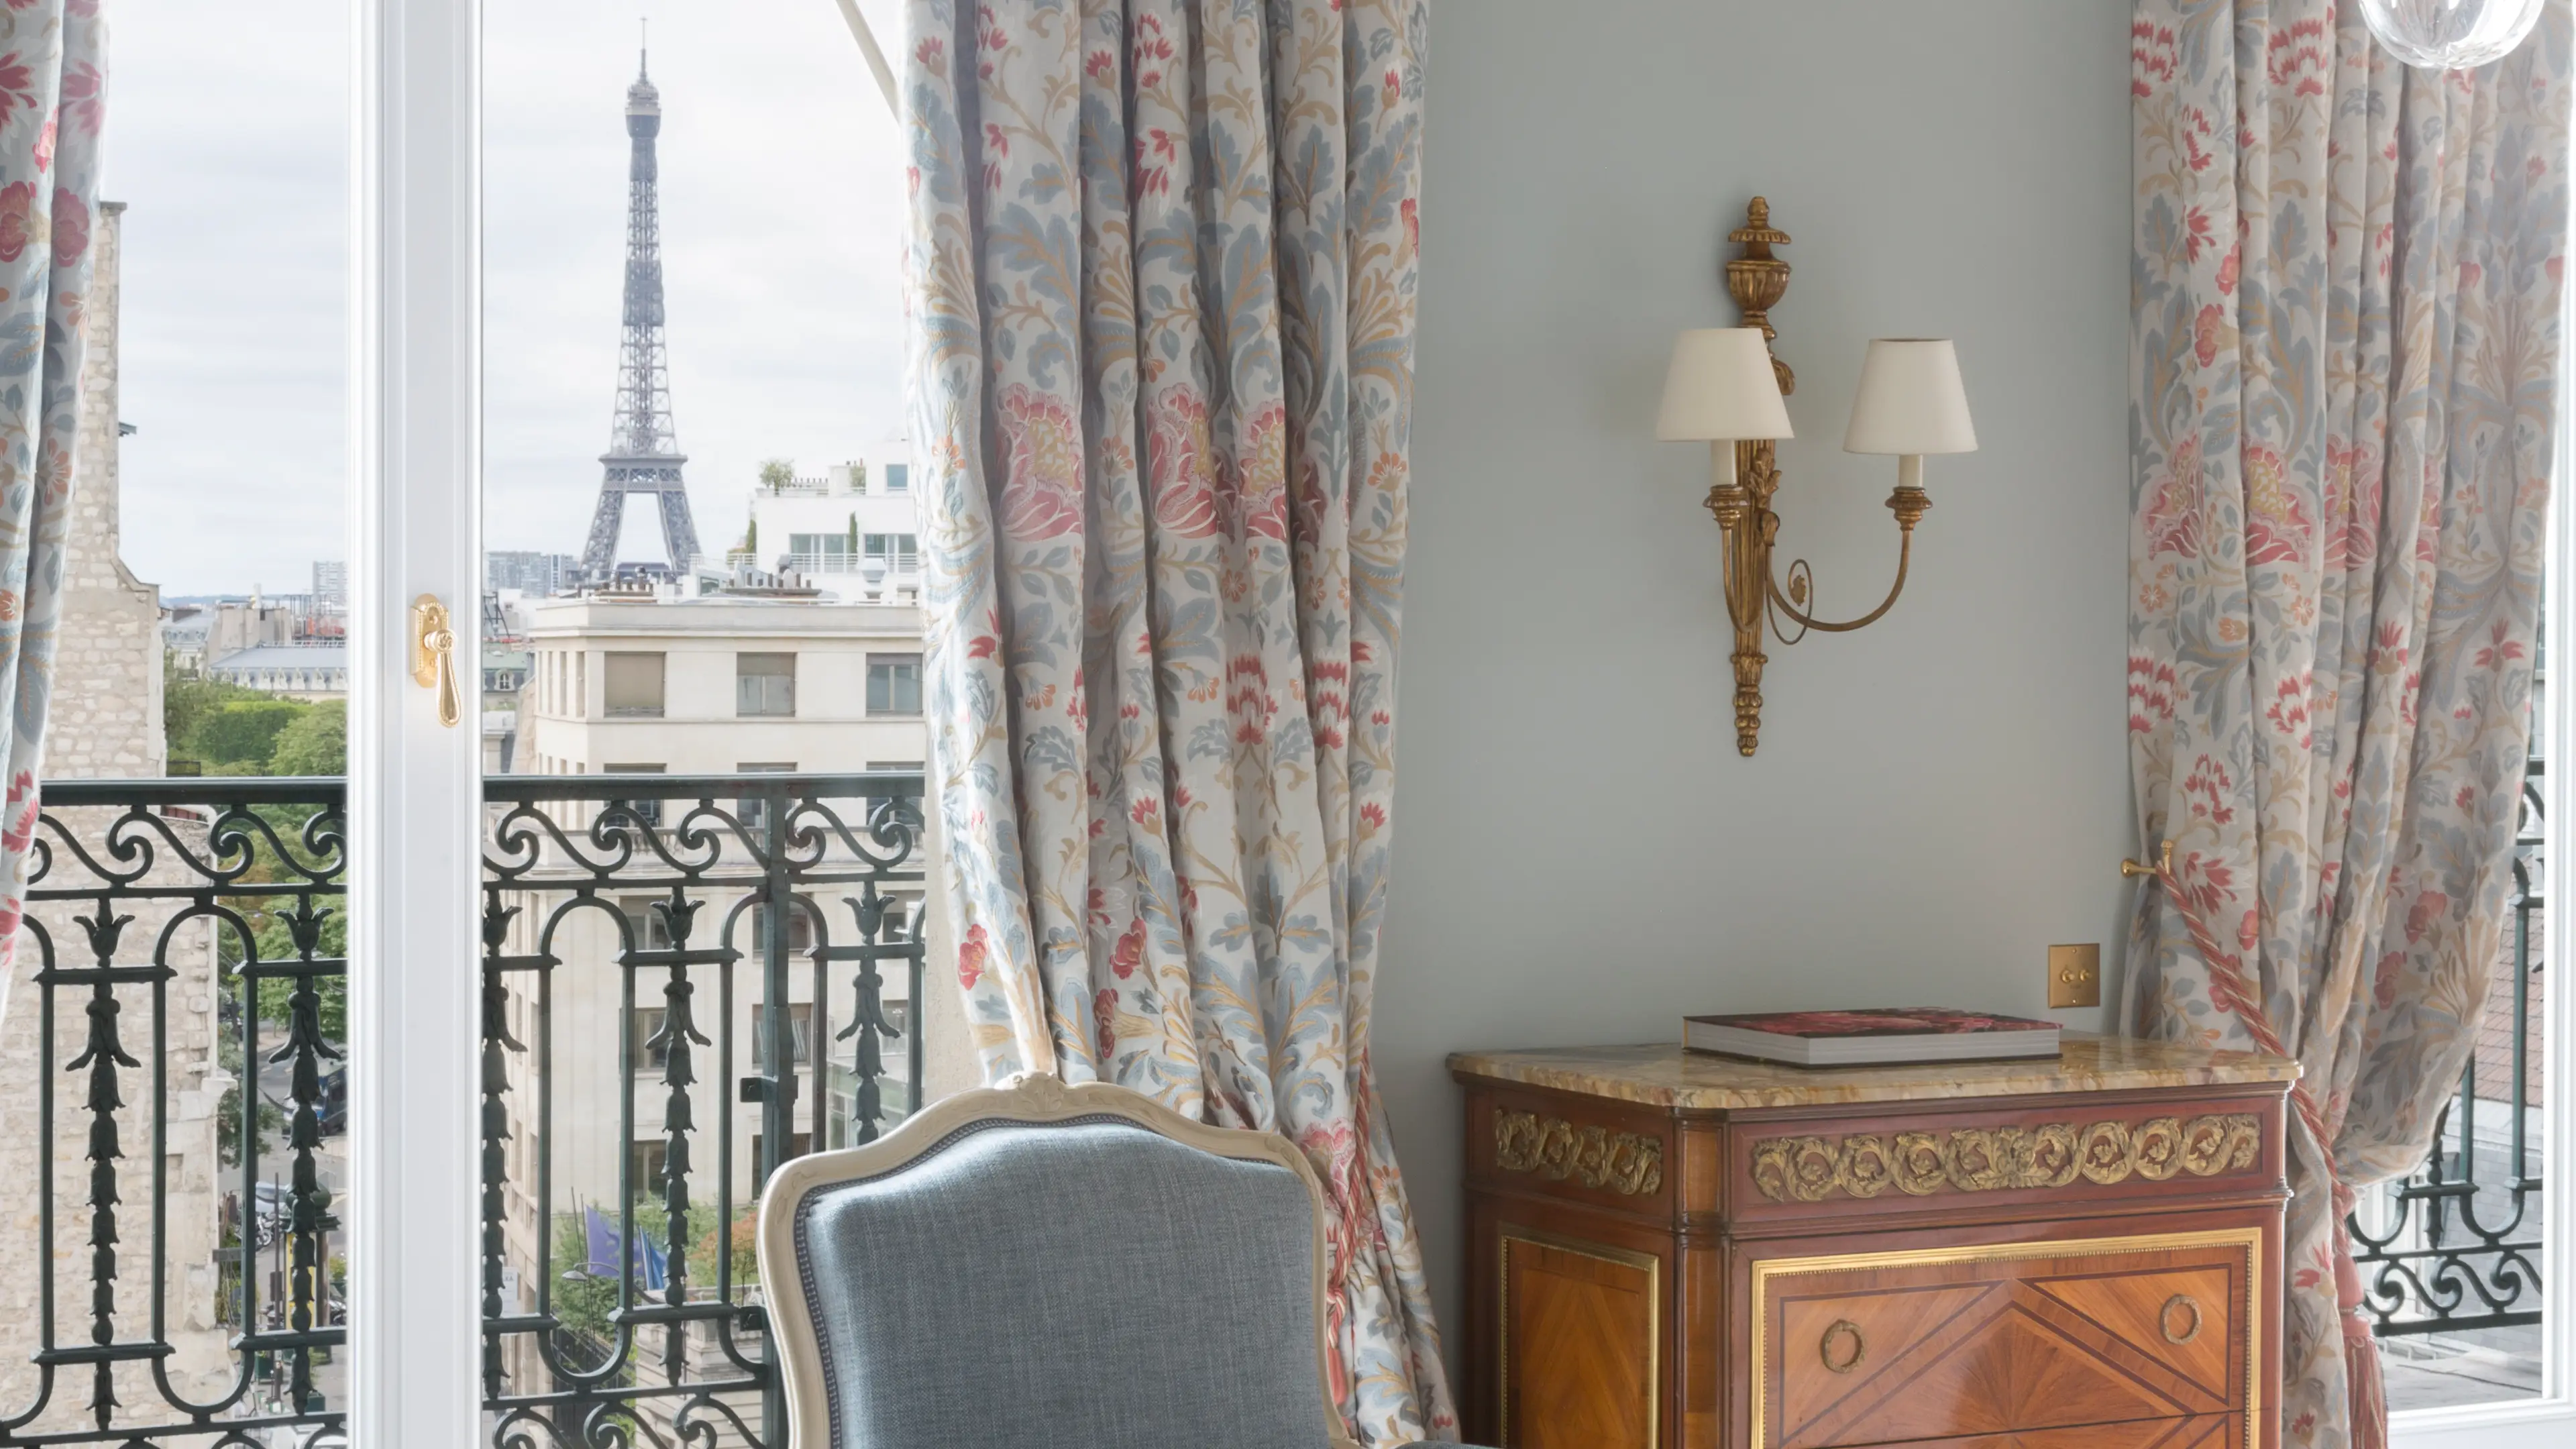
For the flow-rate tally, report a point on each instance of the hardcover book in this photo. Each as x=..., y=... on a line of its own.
x=1874, y=1036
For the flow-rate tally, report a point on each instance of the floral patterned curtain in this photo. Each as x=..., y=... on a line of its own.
x=53, y=98
x=2346, y=365
x=1161, y=289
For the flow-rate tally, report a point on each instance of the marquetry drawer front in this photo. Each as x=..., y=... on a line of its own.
x=2156, y=1334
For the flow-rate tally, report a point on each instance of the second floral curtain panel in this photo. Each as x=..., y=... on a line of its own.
x=53, y=102
x=1161, y=284
x=2347, y=363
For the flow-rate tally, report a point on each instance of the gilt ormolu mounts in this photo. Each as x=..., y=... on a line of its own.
x=1555, y=1149
x=2053, y=1154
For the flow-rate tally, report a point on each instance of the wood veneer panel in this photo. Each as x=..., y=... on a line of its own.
x=2134, y=1308
x=1579, y=1346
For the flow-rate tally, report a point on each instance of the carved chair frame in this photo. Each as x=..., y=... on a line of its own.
x=1030, y=1097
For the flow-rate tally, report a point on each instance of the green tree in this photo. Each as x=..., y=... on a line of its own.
x=315, y=742
x=237, y=736
x=776, y=473
x=584, y=1303
x=186, y=699
x=228, y=1113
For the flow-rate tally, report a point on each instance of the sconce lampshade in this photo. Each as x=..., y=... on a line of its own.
x=1721, y=386
x=1910, y=400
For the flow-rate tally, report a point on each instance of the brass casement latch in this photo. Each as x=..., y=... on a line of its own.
x=433, y=656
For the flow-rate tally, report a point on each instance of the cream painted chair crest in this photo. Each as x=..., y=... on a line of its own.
x=1037, y=1266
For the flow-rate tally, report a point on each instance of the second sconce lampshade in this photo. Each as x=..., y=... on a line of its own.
x=1910, y=400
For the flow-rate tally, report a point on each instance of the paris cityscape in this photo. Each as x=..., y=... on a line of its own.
x=791, y=627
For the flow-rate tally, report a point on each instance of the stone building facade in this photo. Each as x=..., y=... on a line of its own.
x=107, y=722
x=107, y=668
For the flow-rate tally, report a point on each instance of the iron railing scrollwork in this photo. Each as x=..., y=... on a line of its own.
x=230, y=883
x=2456, y=1245
x=631, y=952
x=743, y=876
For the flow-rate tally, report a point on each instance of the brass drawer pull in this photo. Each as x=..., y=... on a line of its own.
x=2165, y=1318
x=1844, y=1327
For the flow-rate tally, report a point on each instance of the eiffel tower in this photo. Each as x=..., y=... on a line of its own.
x=643, y=450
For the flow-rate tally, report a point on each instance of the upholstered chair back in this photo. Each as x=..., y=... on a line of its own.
x=1038, y=1267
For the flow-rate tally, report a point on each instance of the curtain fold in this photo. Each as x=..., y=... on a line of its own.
x=1161, y=283
x=53, y=97
x=2346, y=289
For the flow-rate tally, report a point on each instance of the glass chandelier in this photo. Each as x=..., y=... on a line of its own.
x=2450, y=34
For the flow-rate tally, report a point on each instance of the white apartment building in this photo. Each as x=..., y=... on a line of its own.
x=668, y=684
x=710, y=685
x=313, y=672
x=853, y=532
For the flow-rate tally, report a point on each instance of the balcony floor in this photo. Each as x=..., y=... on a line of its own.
x=2452, y=1370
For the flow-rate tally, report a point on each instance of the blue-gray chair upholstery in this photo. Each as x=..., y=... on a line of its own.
x=1039, y=1266
x=1076, y=1285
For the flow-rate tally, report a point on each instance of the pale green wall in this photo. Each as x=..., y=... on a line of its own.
x=1580, y=854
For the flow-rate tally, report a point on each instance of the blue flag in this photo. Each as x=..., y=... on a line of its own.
x=600, y=1246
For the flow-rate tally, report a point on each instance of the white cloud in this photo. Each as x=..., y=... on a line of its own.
x=781, y=213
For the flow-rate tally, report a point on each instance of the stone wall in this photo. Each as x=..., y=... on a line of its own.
x=107, y=671
x=107, y=722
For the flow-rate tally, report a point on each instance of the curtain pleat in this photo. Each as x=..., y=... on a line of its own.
x=2346, y=358
x=1161, y=283
x=53, y=100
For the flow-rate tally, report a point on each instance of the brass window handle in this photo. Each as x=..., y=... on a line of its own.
x=433, y=656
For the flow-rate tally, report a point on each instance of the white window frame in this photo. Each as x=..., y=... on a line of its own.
x=2549, y=1421
x=414, y=785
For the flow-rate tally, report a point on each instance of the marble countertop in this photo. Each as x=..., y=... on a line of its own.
x=1661, y=1074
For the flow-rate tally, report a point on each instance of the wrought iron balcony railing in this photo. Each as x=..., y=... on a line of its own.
x=2456, y=1245
x=678, y=996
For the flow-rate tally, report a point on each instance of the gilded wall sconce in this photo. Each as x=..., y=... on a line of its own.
x=1726, y=388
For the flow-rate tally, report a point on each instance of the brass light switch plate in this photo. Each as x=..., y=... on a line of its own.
x=2074, y=976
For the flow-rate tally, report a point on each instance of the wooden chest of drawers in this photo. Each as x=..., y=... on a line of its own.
x=1671, y=1251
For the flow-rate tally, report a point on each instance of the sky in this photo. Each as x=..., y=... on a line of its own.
x=781, y=197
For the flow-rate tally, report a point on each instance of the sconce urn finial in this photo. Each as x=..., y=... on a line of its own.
x=1910, y=404
x=1758, y=280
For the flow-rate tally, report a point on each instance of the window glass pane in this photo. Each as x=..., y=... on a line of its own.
x=765, y=684
x=720, y=312
x=647, y=811
x=650, y=1055
x=634, y=684
x=894, y=684
x=201, y=633
x=800, y=1022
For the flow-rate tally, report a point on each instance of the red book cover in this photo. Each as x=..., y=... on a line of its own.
x=1877, y=1022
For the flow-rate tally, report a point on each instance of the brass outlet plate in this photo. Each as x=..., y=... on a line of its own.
x=2074, y=976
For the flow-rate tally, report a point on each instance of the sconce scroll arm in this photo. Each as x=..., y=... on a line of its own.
x=1909, y=505
x=1780, y=600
